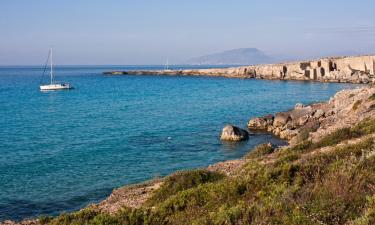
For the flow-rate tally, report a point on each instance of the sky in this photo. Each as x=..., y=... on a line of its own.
x=131, y=32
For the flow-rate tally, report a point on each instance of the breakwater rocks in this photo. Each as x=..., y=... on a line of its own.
x=353, y=69
x=312, y=122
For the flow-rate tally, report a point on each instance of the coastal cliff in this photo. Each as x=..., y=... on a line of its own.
x=326, y=176
x=351, y=69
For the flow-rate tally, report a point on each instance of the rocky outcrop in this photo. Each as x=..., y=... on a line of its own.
x=355, y=69
x=261, y=123
x=232, y=133
x=345, y=109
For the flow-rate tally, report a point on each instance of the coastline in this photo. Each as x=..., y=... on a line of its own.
x=347, y=69
x=358, y=103
x=333, y=118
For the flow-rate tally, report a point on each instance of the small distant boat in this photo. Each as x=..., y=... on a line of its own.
x=53, y=86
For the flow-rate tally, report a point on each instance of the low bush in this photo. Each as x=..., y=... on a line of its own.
x=356, y=104
x=182, y=181
x=372, y=97
x=260, y=150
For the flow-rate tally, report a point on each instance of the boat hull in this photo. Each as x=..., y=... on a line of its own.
x=55, y=87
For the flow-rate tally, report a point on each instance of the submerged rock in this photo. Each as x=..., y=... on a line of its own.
x=232, y=133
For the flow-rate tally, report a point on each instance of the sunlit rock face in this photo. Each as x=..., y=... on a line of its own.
x=232, y=133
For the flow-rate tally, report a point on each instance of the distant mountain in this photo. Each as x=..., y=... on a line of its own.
x=241, y=56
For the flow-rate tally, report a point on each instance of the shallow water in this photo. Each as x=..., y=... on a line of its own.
x=60, y=151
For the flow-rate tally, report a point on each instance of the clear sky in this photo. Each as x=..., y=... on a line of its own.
x=149, y=32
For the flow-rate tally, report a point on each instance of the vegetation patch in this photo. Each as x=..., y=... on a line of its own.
x=356, y=104
x=261, y=150
x=367, y=126
x=372, y=97
x=184, y=180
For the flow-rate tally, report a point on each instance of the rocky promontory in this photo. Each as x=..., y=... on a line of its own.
x=348, y=69
x=313, y=121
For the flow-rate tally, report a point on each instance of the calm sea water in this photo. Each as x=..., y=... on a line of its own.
x=60, y=151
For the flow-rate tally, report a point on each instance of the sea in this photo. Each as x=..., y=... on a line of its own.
x=62, y=150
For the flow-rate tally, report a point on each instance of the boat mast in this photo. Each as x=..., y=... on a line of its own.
x=51, y=66
x=167, y=65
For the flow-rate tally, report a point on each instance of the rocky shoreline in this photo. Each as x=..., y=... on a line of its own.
x=303, y=123
x=348, y=69
x=346, y=108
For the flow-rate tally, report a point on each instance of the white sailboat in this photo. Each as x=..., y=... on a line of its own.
x=54, y=85
x=166, y=67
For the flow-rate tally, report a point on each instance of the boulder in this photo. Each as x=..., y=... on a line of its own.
x=288, y=134
x=281, y=119
x=257, y=123
x=269, y=118
x=299, y=106
x=319, y=113
x=232, y=133
x=297, y=113
x=303, y=120
x=260, y=123
x=312, y=125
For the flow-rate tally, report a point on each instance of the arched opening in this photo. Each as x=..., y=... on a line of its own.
x=304, y=65
x=245, y=71
x=332, y=66
x=322, y=71
x=315, y=74
x=285, y=70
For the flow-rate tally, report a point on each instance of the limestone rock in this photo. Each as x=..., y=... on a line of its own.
x=303, y=120
x=299, y=106
x=288, y=134
x=281, y=119
x=319, y=113
x=232, y=133
x=257, y=123
x=300, y=112
x=260, y=123
x=320, y=119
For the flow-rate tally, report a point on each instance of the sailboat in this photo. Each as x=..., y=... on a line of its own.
x=53, y=85
x=166, y=67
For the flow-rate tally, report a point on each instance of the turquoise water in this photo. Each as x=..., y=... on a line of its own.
x=60, y=151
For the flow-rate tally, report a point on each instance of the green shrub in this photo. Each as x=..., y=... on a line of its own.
x=365, y=127
x=260, y=150
x=372, y=97
x=356, y=104
x=182, y=181
x=45, y=219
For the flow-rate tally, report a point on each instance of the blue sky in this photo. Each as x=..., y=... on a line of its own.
x=149, y=32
